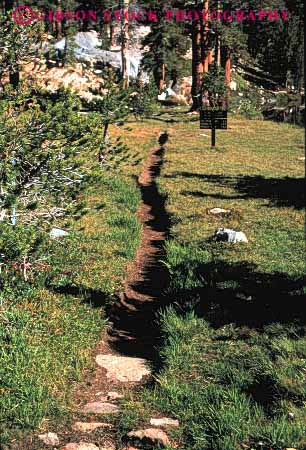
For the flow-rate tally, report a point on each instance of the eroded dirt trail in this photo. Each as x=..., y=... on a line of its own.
x=128, y=351
x=135, y=332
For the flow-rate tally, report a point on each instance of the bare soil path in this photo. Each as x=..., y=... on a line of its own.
x=127, y=353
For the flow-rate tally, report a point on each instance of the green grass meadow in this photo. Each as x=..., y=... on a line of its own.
x=233, y=355
x=49, y=328
x=233, y=359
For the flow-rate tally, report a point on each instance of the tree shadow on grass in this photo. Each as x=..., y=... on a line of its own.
x=238, y=293
x=94, y=297
x=281, y=192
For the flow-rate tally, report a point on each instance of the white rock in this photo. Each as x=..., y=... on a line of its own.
x=49, y=439
x=100, y=408
x=217, y=211
x=88, y=427
x=123, y=368
x=231, y=236
x=233, y=86
x=164, y=422
x=114, y=396
x=58, y=233
x=162, y=97
x=154, y=435
x=80, y=446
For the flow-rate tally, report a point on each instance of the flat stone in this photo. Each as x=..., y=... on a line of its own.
x=122, y=368
x=164, y=422
x=114, y=396
x=80, y=446
x=217, y=211
x=88, y=427
x=108, y=446
x=100, y=408
x=49, y=439
x=153, y=436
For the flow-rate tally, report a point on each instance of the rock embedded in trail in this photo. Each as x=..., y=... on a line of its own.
x=80, y=446
x=219, y=211
x=111, y=396
x=151, y=436
x=100, y=408
x=49, y=439
x=88, y=427
x=164, y=422
x=122, y=368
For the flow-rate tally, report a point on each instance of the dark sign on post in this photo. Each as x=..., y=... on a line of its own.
x=213, y=119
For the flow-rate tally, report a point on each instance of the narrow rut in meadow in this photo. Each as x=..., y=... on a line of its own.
x=135, y=332
x=128, y=351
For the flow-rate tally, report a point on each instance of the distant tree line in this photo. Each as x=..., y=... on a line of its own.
x=277, y=46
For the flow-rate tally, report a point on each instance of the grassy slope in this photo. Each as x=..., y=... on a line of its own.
x=46, y=336
x=233, y=358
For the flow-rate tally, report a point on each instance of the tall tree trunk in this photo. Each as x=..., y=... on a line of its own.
x=111, y=34
x=218, y=43
x=197, y=64
x=125, y=37
x=162, y=77
x=205, y=41
x=227, y=69
x=58, y=23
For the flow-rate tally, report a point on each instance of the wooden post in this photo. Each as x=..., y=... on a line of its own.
x=163, y=77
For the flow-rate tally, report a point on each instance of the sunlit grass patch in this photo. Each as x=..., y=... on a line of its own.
x=49, y=328
x=233, y=358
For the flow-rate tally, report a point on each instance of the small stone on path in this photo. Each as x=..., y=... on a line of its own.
x=164, y=422
x=49, y=439
x=114, y=396
x=153, y=436
x=80, y=446
x=122, y=368
x=217, y=211
x=88, y=427
x=100, y=408
x=108, y=446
